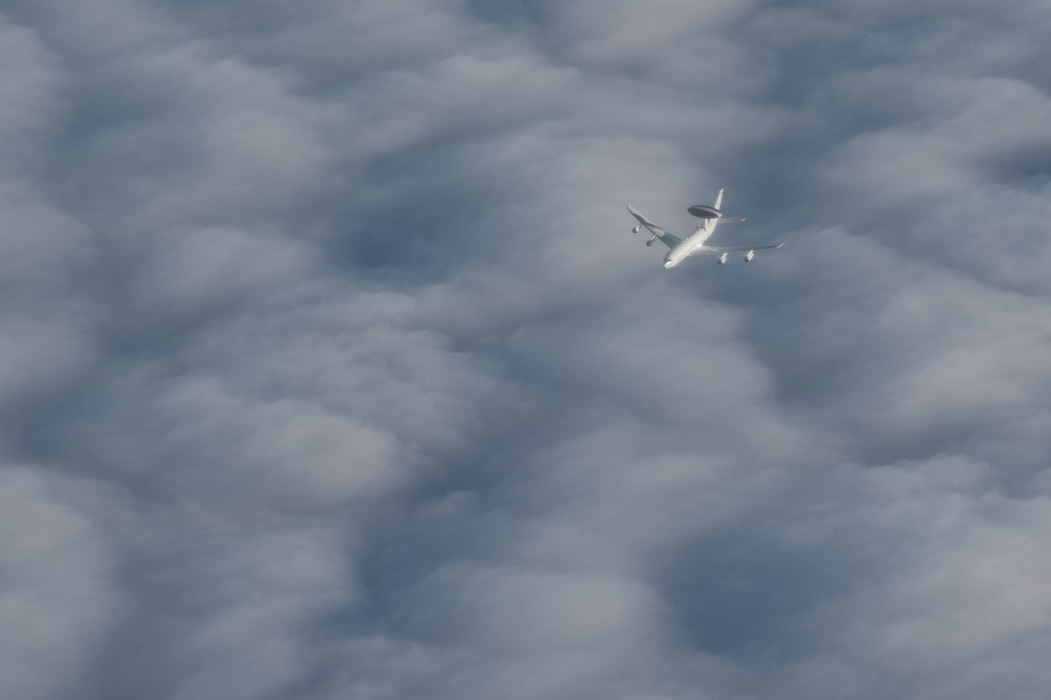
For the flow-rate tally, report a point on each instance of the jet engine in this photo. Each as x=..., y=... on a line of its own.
x=638, y=227
x=649, y=243
x=749, y=255
x=722, y=258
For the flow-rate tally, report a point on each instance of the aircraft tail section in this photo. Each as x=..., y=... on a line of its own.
x=708, y=217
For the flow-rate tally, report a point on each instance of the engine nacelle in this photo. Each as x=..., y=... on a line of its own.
x=749, y=255
x=649, y=243
x=723, y=257
x=638, y=227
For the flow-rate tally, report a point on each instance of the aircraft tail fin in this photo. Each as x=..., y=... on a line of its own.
x=719, y=200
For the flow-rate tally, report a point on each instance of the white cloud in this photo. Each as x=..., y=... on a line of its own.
x=341, y=300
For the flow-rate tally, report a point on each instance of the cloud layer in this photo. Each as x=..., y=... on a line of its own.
x=330, y=369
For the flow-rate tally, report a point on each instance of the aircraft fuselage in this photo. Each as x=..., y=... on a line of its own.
x=692, y=244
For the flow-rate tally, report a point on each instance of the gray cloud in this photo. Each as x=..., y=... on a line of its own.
x=329, y=367
x=57, y=596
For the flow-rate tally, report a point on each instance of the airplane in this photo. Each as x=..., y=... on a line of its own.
x=708, y=218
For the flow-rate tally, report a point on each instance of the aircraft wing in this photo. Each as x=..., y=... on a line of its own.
x=666, y=238
x=709, y=249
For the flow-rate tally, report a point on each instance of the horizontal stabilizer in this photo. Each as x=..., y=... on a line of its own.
x=731, y=220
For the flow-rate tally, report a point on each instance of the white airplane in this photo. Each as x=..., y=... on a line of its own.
x=708, y=218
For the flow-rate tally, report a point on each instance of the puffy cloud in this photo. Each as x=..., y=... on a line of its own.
x=332, y=370
x=58, y=595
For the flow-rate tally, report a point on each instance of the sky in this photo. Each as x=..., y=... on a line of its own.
x=330, y=368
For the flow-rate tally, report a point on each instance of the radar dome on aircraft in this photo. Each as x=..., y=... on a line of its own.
x=703, y=211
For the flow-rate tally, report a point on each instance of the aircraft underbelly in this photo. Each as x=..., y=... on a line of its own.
x=703, y=250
